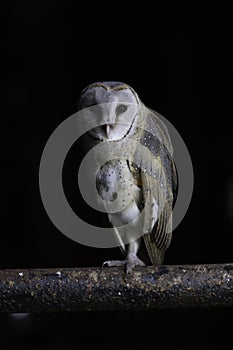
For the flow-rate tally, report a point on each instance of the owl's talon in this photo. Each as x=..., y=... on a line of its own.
x=112, y=263
x=129, y=263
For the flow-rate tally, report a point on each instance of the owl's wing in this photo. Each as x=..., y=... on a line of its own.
x=158, y=179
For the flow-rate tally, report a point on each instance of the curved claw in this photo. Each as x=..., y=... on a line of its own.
x=129, y=263
x=111, y=263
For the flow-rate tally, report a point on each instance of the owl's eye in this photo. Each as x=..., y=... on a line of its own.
x=121, y=109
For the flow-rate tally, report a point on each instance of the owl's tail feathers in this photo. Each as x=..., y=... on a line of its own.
x=155, y=254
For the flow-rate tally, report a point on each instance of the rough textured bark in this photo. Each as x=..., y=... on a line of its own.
x=150, y=287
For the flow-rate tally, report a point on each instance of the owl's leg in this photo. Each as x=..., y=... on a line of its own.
x=131, y=260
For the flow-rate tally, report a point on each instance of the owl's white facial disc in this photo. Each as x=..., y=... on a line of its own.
x=114, y=109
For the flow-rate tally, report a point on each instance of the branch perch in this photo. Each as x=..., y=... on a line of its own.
x=147, y=288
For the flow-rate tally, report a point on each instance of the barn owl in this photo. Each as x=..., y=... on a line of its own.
x=143, y=176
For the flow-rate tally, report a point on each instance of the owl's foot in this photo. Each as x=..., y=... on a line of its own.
x=131, y=261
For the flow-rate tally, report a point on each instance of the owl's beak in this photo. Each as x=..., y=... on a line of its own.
x=107, y=130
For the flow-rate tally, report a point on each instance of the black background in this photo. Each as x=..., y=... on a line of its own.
x=182, y=68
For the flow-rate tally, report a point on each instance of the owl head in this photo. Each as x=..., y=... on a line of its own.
x=112, y=107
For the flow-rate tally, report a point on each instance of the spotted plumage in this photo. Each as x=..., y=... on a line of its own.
x=143, y=175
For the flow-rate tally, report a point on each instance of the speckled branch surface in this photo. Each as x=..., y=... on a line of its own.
x=75, y=289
